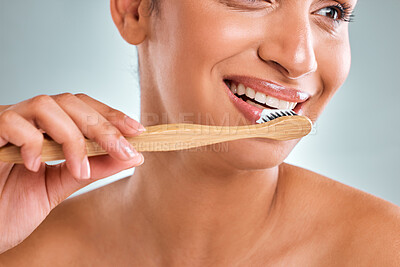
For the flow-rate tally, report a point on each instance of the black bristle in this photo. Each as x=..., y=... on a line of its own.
x=269, y=115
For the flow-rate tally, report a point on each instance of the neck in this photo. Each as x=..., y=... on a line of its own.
x=198, y=203
x=202, y=209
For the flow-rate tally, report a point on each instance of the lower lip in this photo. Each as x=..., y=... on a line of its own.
x=251, y=112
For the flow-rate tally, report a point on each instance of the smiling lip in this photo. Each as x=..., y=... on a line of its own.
x=253, y=113
x=270, y=88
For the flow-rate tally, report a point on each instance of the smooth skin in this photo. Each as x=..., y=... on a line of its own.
x=30, y=191
x=240, y=207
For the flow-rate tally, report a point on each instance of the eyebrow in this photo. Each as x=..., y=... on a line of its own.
x=227, y=2
x=232, y=5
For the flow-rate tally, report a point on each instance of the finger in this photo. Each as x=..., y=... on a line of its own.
x=96, y=127
x=101, y=167
x=3, y=141
x=46, y=114
x=105, y=166
x=124, y=123
x=18, y=131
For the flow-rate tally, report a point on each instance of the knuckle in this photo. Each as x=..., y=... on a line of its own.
x=8, y=116
x=110, y=142
x=64, y=97
x=41, y=101
x=37, y=138
x=108, y=132
x=81, y=95
x=114, y=114
x=109, y=129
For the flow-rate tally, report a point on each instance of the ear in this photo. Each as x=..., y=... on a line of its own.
x=129, y=17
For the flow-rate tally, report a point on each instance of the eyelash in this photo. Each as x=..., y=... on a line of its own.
x=346, y=12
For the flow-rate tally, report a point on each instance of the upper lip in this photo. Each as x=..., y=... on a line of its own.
x=270, y=88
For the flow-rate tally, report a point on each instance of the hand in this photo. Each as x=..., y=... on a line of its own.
x=29, y=191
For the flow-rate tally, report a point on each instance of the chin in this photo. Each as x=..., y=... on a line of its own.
x=256, y=154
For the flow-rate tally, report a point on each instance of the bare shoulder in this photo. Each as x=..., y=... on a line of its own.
x=66, y=236
x=369, y=225
x=376, y=238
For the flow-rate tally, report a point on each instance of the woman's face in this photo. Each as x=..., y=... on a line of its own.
x=287, y=51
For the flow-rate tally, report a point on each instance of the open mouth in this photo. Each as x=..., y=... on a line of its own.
x=258, y=99
x=251, y=96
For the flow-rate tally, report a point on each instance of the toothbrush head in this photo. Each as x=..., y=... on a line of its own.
x=271, y=114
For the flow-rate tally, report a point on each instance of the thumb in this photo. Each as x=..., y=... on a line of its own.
x=61, y=183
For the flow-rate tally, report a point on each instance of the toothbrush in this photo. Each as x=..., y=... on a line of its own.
x=272, y=124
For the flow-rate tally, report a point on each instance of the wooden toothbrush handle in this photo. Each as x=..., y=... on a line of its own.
x=169, y=137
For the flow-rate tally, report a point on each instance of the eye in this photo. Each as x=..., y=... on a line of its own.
x=330, y=12
x=338, y=13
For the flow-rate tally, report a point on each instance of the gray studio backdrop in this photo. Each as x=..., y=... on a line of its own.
x=55, y=46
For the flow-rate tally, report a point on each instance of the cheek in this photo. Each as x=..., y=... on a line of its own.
x=202, y=36
x=334, y=66
x=197, y=37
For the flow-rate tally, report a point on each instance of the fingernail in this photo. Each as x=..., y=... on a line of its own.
x=134, y=124
x=85, y=168
x=141, y=159
x=127, y=150
x=35, y=164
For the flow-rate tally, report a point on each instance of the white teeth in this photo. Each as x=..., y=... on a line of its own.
x=234, y=88
x=241, y=90
x=250, y=93
x=283, y=104
x=272, y=102
x=260, y=98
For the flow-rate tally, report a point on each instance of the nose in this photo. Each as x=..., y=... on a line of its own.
x=288, y=47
